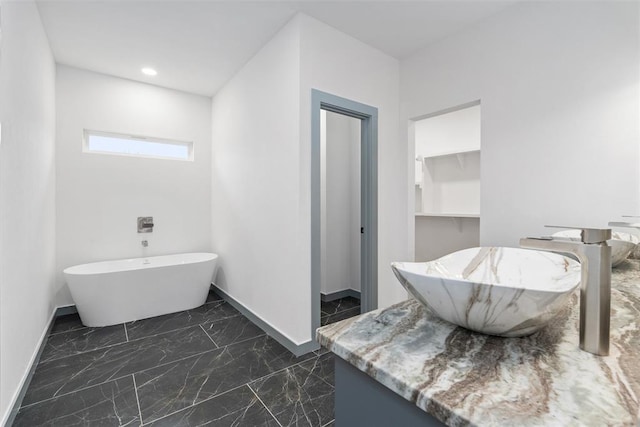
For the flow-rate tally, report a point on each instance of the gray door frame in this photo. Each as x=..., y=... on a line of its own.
x=368, y=199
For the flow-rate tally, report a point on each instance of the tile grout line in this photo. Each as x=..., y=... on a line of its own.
x=54, y=359
x=117, y=343
x=168, y=363
x=163, y=364
x=135, y=388
x=282, y=370
x=119, y=378
x=135, y=339
x=87, y=327
x=314, y=355
x=191, y=406
x=209, y=336
x=185, y=327
x=70, y=330
x=263, y=334
x=235, y=388
x=263, y=404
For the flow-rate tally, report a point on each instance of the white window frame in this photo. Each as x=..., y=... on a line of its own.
x=88, y=133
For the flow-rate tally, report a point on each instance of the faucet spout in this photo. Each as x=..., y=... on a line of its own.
x=553, y=245
x=595, y=286
x=635, y=225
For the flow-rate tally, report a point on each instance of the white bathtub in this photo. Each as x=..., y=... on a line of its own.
x=112, y=292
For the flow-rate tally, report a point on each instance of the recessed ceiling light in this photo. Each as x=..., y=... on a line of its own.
x=149, y=71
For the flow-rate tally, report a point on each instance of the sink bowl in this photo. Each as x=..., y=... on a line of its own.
x=508, y=292
x=622, y=244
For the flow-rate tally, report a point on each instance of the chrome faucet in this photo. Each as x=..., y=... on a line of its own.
x=595, y=285
x=635, y=225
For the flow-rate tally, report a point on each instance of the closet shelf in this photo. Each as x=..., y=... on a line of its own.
x=448, y=215
x=451, y=153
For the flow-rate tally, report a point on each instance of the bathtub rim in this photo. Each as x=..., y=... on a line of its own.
x=133, y=264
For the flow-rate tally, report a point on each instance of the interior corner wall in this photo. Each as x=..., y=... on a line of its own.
x=100, y=196
x=256, y=206
x=341, y=65
x=559, y=86
x=27, y=194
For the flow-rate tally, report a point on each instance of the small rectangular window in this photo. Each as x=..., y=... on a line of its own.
x=137, y=146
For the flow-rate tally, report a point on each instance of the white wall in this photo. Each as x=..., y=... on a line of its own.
x=261, y=168
x=450, y=183
x=256, y=204
x=27, y=194
x=449, y=132
x=559, y=88
x=342, y=199
x=438, y=236
x=100, y=196
x=336, y=63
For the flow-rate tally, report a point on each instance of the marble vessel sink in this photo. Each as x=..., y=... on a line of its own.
x=508, y=292
x=622, y=244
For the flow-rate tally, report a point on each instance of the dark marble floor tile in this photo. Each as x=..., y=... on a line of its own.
x=330, y=424
x=333, y=318
x=169, y=322
x=321, y=351
x=80, y=340
x=178, y=385
x=175, y=386
x=72, y=373
x=214, y=311
x=213, y=296
x=232, y=330
x=322, y=367
x=159, y=324
x=264, y=355
x=67, y=323
x=338, y=305
x=302, y=395
x=110, y=404
x=239, y=407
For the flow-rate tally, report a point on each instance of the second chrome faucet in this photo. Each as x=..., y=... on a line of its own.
x=595, y=285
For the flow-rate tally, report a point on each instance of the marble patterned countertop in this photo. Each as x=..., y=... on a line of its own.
x=467, y=379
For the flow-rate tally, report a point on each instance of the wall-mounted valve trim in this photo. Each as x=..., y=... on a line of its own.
x=145, y=224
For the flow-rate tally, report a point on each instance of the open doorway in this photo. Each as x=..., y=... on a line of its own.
x=447, y=185
x=340, y=218
x=343, y=209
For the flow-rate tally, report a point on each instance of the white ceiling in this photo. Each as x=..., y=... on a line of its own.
x=400, y=28
x=197, y=46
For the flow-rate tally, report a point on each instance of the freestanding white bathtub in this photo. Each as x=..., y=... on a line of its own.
x=112, y=292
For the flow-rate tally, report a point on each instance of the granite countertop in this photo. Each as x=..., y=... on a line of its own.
x=468, y=379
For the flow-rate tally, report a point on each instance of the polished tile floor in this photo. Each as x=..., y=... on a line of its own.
x=340, y=309
x=207, y=366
